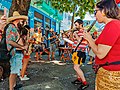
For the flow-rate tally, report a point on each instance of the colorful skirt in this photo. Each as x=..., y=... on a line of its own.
x=107, y=80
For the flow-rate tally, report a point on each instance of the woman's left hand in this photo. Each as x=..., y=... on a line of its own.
x=87, y=36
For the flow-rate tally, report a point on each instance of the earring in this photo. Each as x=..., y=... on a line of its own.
x=103, y=14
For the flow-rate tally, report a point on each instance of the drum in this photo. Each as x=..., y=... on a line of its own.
x=66, y=53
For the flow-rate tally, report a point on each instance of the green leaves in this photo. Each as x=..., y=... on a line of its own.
x=38, y=1
x=78, y=7
x=82, y=6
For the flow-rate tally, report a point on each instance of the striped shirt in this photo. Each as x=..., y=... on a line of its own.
x=83, y=45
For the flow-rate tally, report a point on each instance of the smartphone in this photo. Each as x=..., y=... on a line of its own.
x=4, y=17
x=5, y=11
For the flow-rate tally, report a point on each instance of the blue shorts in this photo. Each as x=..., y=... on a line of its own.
x=16, y=63
x=52, y=47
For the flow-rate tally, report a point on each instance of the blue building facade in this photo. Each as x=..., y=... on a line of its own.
x=40, y=15
x=37, y=16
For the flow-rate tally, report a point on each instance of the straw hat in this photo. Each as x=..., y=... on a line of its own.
x=16, y=15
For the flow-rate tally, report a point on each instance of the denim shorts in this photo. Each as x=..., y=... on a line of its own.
x=38, y=48
x=52, y=47
x=16, y=63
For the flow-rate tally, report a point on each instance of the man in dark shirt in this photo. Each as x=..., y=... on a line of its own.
x=52, y=39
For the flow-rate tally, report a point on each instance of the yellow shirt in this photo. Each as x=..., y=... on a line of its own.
x=38, y=37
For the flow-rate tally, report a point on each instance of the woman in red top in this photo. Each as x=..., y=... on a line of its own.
x=107, y=46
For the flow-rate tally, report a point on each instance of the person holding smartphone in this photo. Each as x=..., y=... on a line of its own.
x=3, y=23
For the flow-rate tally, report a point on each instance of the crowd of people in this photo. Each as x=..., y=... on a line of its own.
x=103, y=49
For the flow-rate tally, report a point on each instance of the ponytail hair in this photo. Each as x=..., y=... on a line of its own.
x=110, y=8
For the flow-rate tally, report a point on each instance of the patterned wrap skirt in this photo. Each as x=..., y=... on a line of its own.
x=107, y=80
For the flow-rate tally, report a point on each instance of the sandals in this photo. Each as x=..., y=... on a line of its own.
x=40, y=58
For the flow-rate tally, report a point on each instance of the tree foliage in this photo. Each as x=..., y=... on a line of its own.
x=79, y=7
x=22, y=6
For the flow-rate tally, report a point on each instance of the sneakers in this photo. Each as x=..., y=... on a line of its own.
x=24, y=78
x=83, y=87
x=40, y=58
x=76, y=82
x=18, y=86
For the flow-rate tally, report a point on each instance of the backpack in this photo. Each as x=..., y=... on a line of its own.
x=4, y=53
x=4, y=57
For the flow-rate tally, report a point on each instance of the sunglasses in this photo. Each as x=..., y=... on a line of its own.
x=95, y=12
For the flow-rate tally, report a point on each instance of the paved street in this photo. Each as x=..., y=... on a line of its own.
x=46, y=75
